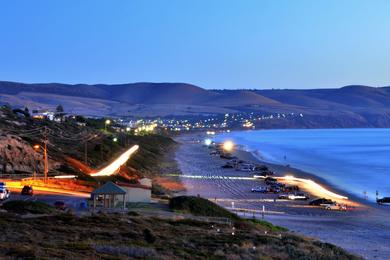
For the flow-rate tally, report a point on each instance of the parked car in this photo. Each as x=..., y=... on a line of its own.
x=261, y=168
x=270, y=179
x=291, y=188
x=274, y=189
x=334, y=206
x=4, y=194
x=384, y=200
x=60, y=205
x=27, y=190
x=298, y=196
x=245, y=167
x=318, y=202
x=260, y=189
x=283, y=196
x=226, y=156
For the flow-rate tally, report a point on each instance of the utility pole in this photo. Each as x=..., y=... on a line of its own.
x=86, y=152
x=46, y=161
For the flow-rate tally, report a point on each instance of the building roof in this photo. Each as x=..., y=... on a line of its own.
x=109, y=188
x=131, y=185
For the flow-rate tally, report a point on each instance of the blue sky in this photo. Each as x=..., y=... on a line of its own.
x=213, y=44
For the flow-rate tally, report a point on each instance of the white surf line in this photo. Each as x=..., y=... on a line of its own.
x=115, y=165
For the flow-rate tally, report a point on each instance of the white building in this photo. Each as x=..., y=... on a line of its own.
x=140, y=192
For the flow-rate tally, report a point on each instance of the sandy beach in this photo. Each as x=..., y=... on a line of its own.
x=364, y=229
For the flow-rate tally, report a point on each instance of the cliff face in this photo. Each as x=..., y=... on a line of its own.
x=19, y=156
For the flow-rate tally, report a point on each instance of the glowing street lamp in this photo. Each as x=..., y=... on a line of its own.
x=228, y=146
x=115, y=139
x=45, y=160
x=107, y=122
x=207, y=142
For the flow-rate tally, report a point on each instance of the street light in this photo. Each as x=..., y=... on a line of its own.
x=228, y=146
x=45, y=160
x=115, y=139
x=107, y=122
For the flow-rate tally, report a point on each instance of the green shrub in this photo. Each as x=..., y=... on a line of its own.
x=24, y=207
x=268, y=225
x=149, y=236
x=200, y=207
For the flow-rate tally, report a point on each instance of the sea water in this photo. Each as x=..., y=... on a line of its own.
x=354, y=160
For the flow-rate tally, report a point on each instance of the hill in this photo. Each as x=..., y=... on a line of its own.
x=357, y=106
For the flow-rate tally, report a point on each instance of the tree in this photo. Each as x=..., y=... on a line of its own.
x=59, y=109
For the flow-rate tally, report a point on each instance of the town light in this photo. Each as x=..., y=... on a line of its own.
x=36, y=147
x=115, y=139
x=228, y=145
x=127, y=129
x=108, y=121
x=207, y=142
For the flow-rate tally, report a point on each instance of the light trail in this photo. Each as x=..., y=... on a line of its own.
x=17, y=185
x=312, y=187
x=115, y=165
x=306, y=184
x=211, y=177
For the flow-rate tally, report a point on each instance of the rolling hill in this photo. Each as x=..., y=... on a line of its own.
x=364, y=105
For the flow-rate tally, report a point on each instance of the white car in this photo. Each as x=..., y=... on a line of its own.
x=334, y=206
x=299, y=196
x=4, y=194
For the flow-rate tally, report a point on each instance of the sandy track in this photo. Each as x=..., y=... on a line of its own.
x=363, y=232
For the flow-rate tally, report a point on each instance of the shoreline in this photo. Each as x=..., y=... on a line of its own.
x=359, y=231
x=283, y=170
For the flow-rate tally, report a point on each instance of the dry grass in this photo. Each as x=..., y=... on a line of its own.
x=124, y=236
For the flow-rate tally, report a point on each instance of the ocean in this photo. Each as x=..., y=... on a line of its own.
x=354, y=160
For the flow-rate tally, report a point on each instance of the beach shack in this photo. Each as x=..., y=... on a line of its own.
x=108, y=196
x=139, y=192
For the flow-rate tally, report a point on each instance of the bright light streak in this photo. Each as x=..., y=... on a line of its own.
x=115, y=165
x=65, y=176
x=207, y=142
x=314, y=187
x=228, y=145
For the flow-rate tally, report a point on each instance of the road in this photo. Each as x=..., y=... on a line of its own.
x=71, y=201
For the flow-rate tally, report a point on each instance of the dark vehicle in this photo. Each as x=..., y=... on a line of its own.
x=278, y=184
x=27, y=190
x=270, y=179
x=291, y=188
x=227, y=166
x=318, y=202
x=260, y=189
x=60, y=205
x=261, y=168
x=274, y=189
x=227, y=156
x=384, y=200
x=283, y=196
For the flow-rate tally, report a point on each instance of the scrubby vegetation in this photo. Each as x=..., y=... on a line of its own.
x=24, y=207
x=199, y=207
x=118, y=236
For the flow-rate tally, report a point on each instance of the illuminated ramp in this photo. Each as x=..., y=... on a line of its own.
x=113, y=167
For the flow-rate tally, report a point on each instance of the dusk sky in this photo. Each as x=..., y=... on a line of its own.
x=212, y=44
